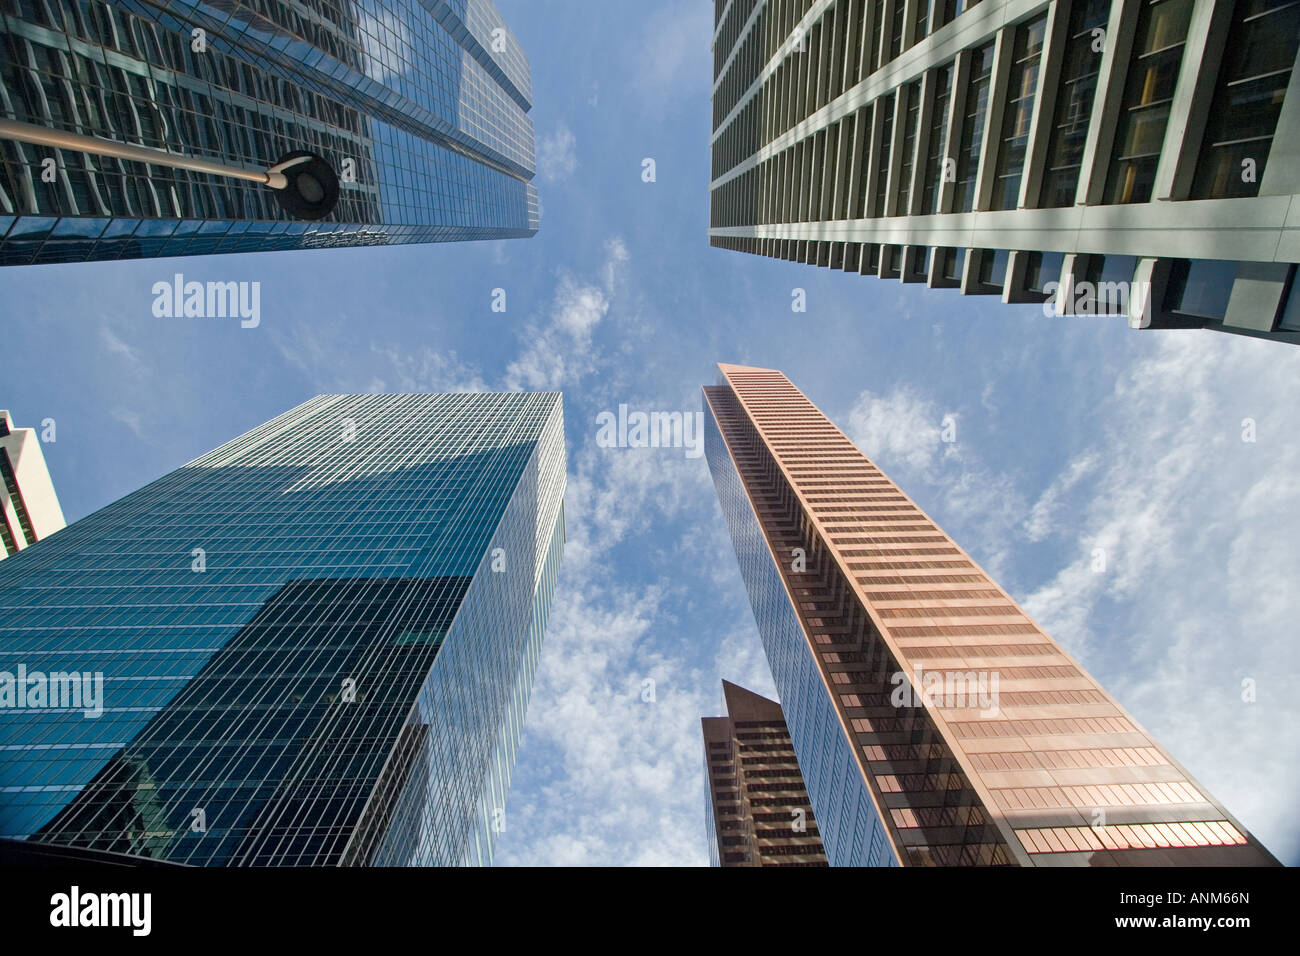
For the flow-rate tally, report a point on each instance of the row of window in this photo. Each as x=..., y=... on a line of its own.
x=864, y=165
x=1194, y=288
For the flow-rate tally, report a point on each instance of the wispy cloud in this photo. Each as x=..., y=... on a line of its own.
x=667, y=51
x=117, y=347
x=1039, y=524
x=1195, y=597
x=326, y=354
x=559, y=348
x=902, y=427
x=557, y=154
x=131, y=420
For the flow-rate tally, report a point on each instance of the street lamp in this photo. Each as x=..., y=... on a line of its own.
x=306, y=186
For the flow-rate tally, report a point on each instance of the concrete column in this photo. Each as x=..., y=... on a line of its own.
x=1207, y=34
x=873, y=161
x=997, y=98
x=925, y=116
x=895, y=152
x=1282, y=172
x=1259, y=295
x=956, y=116
x=1049, y=83
x=1106, y=103
x=858, y=146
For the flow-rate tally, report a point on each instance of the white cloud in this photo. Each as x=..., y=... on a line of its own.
x=625, y=784
x=326, y=355
x=423, y=370
x=617, y=492
x=1199, y=532
x=131, y=420
x=559, y=349
x=557, y=154
x=672, y=56
x=1039, y=523
x=117, y=347
x=900, y=428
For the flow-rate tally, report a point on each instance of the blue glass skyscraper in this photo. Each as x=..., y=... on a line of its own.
x=312, y=646
x=421, y=106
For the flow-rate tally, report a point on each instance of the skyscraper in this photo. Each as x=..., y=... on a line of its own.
x=935, y=723
x=311, y=646
x=420, y=106
x=1133, y=157
x=756, y=807
x=29, y=508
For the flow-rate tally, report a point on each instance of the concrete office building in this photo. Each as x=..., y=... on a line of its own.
x=1130, y=157
x=29, y=508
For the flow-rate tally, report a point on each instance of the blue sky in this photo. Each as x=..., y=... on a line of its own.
x=1072, y=434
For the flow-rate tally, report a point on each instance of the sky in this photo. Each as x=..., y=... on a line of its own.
x=1071, y=435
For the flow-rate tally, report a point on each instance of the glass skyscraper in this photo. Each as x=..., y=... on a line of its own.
x=421, y=106
x=311, y=646
x=935, y=723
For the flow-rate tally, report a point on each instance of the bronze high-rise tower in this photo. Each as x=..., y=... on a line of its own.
x=935, y=723
x=757, y=805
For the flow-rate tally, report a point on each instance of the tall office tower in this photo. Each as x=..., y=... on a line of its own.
x=935, y=723
x=1129, y=157
x=420, y=106
x=757, y=807
x=29, y=508
x=311, y=646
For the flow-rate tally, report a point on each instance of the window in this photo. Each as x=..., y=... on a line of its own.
x=1144, y=111
x=993, y=267
x=954, y=261
x=865, y=118
x=1110, y=278
x=891, y=255
x=1025, y=55
x=904, y=193
x=886, y=140
x=896, y=29
x=972, y=129
x=877, y=27
x=1042, y=268
x=935, y=151
x=922, y=21
x=1261, y=49
x=1200, y=287
x=921, y=263
x=871, y=257
x=1074, y=103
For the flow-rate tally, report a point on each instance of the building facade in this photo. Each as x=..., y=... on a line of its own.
x=420, y=106
x=312, y=646
x=934, y=721
x=1102, y=157
x=29, y=508
x=756, y=807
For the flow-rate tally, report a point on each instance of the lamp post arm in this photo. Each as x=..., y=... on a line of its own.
x=42, y=136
